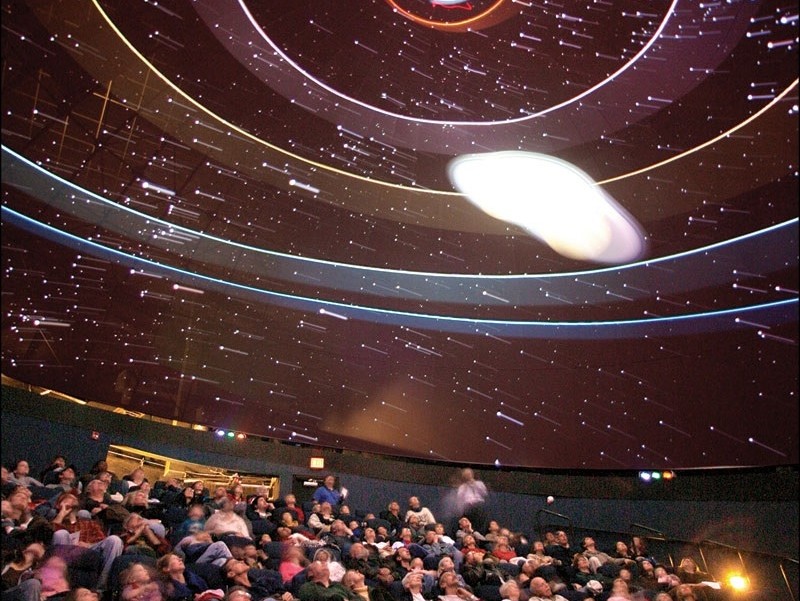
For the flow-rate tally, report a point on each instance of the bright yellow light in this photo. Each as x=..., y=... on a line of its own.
x=737, y=582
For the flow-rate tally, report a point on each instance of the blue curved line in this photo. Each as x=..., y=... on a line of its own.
x=771, y=313
x=480, y=276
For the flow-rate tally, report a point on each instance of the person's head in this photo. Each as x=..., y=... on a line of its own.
x=322, y=555
x=403, y=554
x=619, y=587
x=136, y=574
x=170, y=564
x=688, y=564
x=138, y=499
x=353, y=580
x=561, y=538
x=105, y=477
x=588, y=543
x=244, y=549
x=21, y=468
x=65, y=500
x=198, y=486
x=147, y=592
x=431, y=536
x=195, y=513
x=234, y=568
x=413, y=520
x=448, y=580
x=325, y=508
x=330, y=481
x=625, y=574
x=684, y=592
x=467, y=475
x=220, y=492
x=580, y=563
x=385, y=575
x=413, y=502
x=471, y=558
x=137, y=475
x=416, y=563
x=293, y=554
x=646, y=566
x=540, y=588
x=359, y=551
x=82, y=594
x=290, y=500
x=344, y=510
x=621, y=548
x=187, y=493
x=238, y=593
x=509, y=590
x=96, y=488
x=538, y=547
x=237, y=490
x=67, y=475
x=659, y=571
x=412, y=581
x=394, y=507
x=663, y=596
x=34, y=553
x=493, y=526
x=446, y=564
x=318, y=572
x=468, y=540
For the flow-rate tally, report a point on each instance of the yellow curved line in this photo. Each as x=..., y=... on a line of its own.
x=247, y=134
x=721, y=136
x=329, y=168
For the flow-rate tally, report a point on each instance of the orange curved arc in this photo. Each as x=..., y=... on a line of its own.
x=454, y=25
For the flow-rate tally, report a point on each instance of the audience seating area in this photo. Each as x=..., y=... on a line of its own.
x=67, y=534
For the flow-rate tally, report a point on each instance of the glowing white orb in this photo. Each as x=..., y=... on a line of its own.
x=552, y=200
x=550, y=500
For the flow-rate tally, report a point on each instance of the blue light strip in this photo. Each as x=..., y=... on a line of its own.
x=784, y=311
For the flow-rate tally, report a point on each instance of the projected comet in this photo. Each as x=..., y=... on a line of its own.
x=552, y=200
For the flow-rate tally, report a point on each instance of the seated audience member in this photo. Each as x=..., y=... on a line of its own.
x=423, y=513
x=638, y=548
x=134, y=480
x=200, y=548
x=69, y=529
x=437, y=549
x=319, y=587
x=260, y=512
x=186, y=497
x=139, y=538
x=293, y=561
x=446, y=565
x=689, y=573
x=339, y=536
x=238, y=593
x=336, y=569
x=392, y=515
x=218, y=499
x=195, y=522
x=49, y=475
x=22, y=564
x=452, y=590
x=247, y=551
x=621, y=551
x=226, y=521
x=360, y=559
x=200, y=491
x=509, y=591
x=138, y=581
x=66, y=480
x=236, y=494
x=582, y=574
x=492, y=530
x=180, y=583
x=619, y=590
x=413, y=588
x=320, y=521
x=96, y=500
x=665, y=580
x=138, y=501
x=476, y=572
x=465, y=528
x=260, y=583
x=540, y=591
x=417, y=529
x=354, y=581
x=21, y=526
x=600, y=561
x=502, y=551
x=53, y=573
x=20, y=474
x=290, y=503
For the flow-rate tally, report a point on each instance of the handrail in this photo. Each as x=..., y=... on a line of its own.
x=554, y=514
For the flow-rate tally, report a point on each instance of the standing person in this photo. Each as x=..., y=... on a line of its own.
x=328, y=493
x=471, y=497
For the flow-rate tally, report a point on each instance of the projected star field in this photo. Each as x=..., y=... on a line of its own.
x=238, y=214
